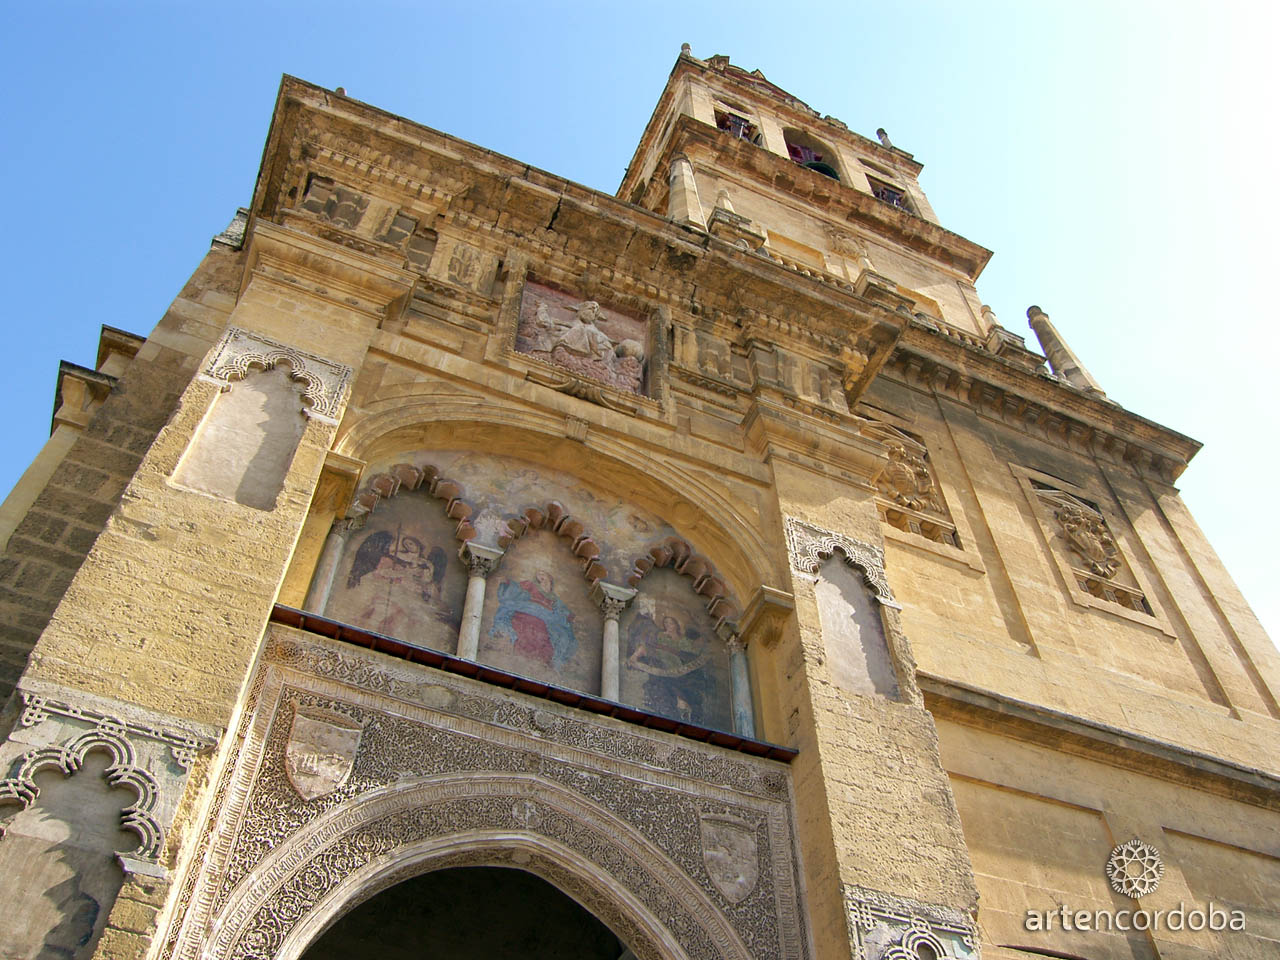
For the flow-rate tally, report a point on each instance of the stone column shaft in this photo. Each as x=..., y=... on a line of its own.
x=327, y=569
x=481, y=561
x=612, y=600
x=740, y=683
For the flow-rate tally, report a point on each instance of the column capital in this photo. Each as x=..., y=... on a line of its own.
x=480, y=560
x=729, y=635
x=611, y=598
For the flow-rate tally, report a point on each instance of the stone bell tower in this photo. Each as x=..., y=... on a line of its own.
x=470, y=562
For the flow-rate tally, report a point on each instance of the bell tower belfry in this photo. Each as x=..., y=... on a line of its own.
x=729, y=152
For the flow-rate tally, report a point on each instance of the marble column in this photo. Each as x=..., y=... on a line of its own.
x=612, y=600
x=744, y=722
x=327, y=568
x=481, y=561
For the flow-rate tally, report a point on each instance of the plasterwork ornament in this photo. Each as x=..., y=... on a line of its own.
x=809, y=547
x=325, y=381
x=886, y=927
x=449, y=771
x=148, y=757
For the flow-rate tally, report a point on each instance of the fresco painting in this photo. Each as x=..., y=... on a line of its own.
x=400, y=574
x=539, y=619
x=672, y=662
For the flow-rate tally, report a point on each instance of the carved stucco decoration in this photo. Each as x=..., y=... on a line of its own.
x=887, y=927
x=1087, y=534
x=809, y=547
x=325, y=381
x=450, y=772
x=148, y=758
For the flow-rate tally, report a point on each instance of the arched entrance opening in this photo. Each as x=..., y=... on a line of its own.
x=470, y=913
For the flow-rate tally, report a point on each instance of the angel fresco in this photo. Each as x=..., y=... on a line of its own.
x=398, y=580
x=535, y=621
x=675, y=658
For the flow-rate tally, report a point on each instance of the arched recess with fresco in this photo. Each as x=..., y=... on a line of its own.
x=568, y=519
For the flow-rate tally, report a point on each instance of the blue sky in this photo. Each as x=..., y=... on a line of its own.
x=1118, y=158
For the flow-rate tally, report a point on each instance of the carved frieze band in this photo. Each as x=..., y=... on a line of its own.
x=886, y=927
x=326, y=381
x=809, y=547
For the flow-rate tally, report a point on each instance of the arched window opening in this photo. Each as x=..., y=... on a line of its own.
x=810, y=152
x=469, y=913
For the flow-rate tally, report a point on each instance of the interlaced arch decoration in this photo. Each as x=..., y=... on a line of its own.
x=358, y=848
x=556, y=518
x=683, y=559
x=123, y=772
x=325, y=382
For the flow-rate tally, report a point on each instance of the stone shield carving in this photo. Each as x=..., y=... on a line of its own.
x=730, y=855
x=320, y=753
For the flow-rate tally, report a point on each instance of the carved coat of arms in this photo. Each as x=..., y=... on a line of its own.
x=320, y=753
x=730, y=856
x=906, y=480
x=1087, y=534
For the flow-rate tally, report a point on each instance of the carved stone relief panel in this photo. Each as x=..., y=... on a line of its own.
x=584, y=337
x=340, y=205
x=462, y=265
x=676, y=845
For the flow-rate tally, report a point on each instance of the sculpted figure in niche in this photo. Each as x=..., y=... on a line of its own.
x=535, y=621
x=583, y=337
x=398, y=579
x=674, y=657
x=906, y=480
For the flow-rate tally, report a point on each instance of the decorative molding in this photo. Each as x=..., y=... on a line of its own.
x=238, y=350
x=886, y=927
x=809, y=547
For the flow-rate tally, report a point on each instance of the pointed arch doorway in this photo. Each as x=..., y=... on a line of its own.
x=470, y=913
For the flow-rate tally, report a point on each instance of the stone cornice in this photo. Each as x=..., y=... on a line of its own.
x=1033, y=723
x=579, y=232
x=949, y=365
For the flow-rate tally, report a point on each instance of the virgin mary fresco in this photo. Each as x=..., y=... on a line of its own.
x=535, y=621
